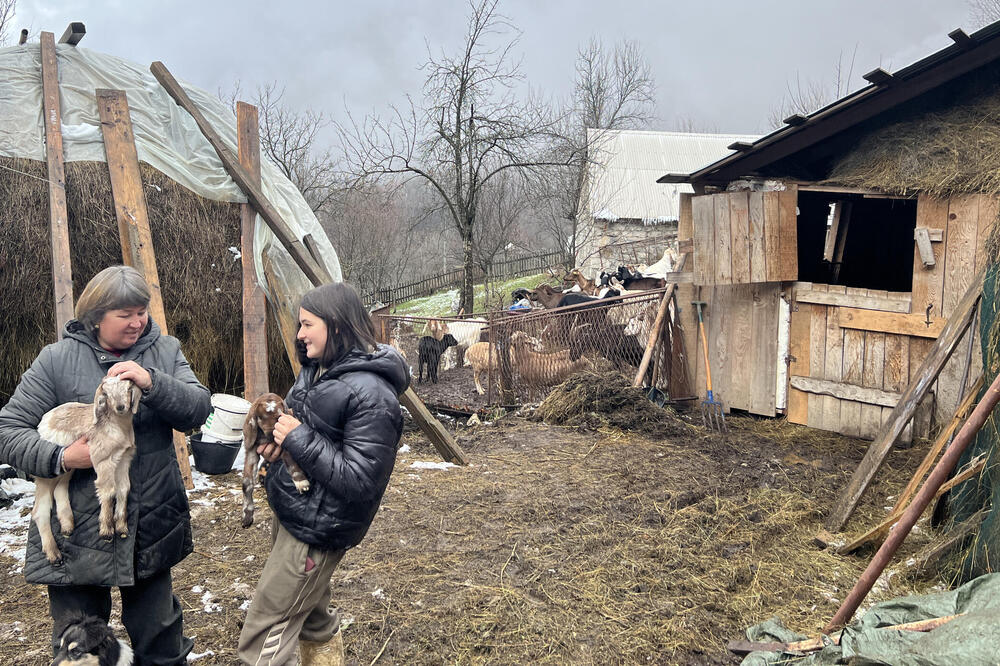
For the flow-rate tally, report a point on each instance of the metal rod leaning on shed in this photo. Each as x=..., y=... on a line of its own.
x=316, y=273
x=936, y=479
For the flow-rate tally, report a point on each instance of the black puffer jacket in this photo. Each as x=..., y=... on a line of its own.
x=158, y=519
x=346, y=445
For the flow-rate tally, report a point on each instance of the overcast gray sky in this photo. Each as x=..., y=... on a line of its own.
x=723, y=64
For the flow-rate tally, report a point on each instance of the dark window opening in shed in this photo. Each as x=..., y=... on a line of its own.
x=854, y=241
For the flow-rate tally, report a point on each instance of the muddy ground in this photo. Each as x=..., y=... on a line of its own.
x=556, y=545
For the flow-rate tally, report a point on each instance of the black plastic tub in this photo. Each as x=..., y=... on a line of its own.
x=214, y=457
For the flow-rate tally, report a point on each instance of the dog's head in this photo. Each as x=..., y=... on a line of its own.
x=85, y=640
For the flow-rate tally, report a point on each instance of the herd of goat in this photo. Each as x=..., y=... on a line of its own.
x=564, y=345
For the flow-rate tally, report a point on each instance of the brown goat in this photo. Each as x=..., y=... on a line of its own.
x=587, y=286
x=541, y=369
x=258, y=429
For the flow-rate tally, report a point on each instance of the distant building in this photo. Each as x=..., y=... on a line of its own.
x=626, y=217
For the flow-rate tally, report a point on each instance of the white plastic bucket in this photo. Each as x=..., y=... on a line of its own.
x=230, y=412
x=218, y=426
x=208, y=435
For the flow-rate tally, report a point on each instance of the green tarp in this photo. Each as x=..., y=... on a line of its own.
x=970, y=640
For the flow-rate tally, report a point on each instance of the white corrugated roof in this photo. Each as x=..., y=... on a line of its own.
x=623, y=182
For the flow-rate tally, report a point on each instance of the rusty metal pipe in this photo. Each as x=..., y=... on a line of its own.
x=909, y=518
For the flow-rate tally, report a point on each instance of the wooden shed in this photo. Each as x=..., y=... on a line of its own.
x=832, y=251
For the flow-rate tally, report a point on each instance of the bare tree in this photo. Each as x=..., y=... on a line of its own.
x=471, y=128
x=614, y=90
x=374, y=235
x=7, y=10
x=983, y=12
x=807, y=96
x=292, y=140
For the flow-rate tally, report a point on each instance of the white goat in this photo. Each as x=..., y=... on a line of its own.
x=466, y=332
x=107, y=425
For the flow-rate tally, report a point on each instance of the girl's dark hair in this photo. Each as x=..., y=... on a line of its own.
x=348, y=324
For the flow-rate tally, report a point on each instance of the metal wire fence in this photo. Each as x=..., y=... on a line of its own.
x=516, y=357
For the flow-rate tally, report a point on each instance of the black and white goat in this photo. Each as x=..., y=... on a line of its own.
x=430, y=351
x=107, y=425
x=258, y=429
x=88, y=640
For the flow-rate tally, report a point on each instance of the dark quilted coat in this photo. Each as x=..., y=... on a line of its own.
x=158, y=518
x=346, y=445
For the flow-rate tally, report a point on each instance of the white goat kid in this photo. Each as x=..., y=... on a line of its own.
x=107, y=424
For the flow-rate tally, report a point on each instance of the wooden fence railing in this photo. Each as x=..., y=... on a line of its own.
x=500, y=270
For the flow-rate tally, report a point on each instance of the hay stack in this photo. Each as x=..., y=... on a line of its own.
x=608, y=399
x=199, y=276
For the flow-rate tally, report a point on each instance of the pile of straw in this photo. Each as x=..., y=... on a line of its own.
x=199, y=276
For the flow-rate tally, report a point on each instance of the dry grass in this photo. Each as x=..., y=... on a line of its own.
x=199, y=277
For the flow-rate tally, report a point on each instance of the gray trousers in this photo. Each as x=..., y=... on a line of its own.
x=291, y=602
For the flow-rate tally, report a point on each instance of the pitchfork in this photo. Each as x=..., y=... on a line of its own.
x=713, y=414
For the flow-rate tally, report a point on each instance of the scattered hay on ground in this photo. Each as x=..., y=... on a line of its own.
x=608, y=400
x=556, y=546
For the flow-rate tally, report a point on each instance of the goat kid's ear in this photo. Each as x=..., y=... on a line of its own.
x=135, y=395
x=100, y=404
x=250, y=430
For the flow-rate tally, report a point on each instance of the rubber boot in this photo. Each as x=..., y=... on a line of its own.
x=330, y=653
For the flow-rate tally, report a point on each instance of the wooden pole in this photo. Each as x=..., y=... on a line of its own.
x=909, y=518
x=654, y=334
x=62, y=274
x=901, y=414
x=255, y=380
x=133, y=220
x=316, y=273
x=283, y=313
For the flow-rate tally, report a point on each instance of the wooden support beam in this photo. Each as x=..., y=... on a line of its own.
x=23, y=38
x=441, y=439
x=832, y=232
x=740, y=146
x=923, y=239
x=654, y=333
x=62, y=274
x=255, y=379
x=252, y=191
x=795, y=119
x=133, y=220
x=316, y=255
x=845, y=391
x=880, y=530
x=917, y=325
x=73, y=34
x=845, y=225
x=960, y=37
x=883, y=304
x=939, y=354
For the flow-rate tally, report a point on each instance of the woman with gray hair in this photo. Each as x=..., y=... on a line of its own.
x=113, y=335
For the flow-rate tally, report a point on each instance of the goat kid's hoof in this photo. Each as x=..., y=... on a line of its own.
x=302, y=486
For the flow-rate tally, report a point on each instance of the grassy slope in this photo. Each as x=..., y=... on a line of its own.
x=442, y=303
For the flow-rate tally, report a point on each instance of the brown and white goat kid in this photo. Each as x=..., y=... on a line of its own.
x=107, y=424
x=258, y=429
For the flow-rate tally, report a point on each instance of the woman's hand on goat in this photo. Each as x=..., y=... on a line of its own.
x=286, y=423
x=133, y=371
x=77, y=455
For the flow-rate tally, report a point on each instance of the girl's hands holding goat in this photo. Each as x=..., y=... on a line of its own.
x=131, y=370
x=77, y=455
x=286, y=423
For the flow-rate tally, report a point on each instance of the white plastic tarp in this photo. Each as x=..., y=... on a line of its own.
x=166, y=137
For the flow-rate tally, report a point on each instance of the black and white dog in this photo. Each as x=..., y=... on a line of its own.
x=86, y=640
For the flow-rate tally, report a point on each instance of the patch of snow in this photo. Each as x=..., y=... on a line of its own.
x=423, y=464
x=378, y=594
x=405, y=448
x=195, y=656
x=210, y=605
x=245, y=605
x=237, y=255
x=14, y=525
x=197, y=589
